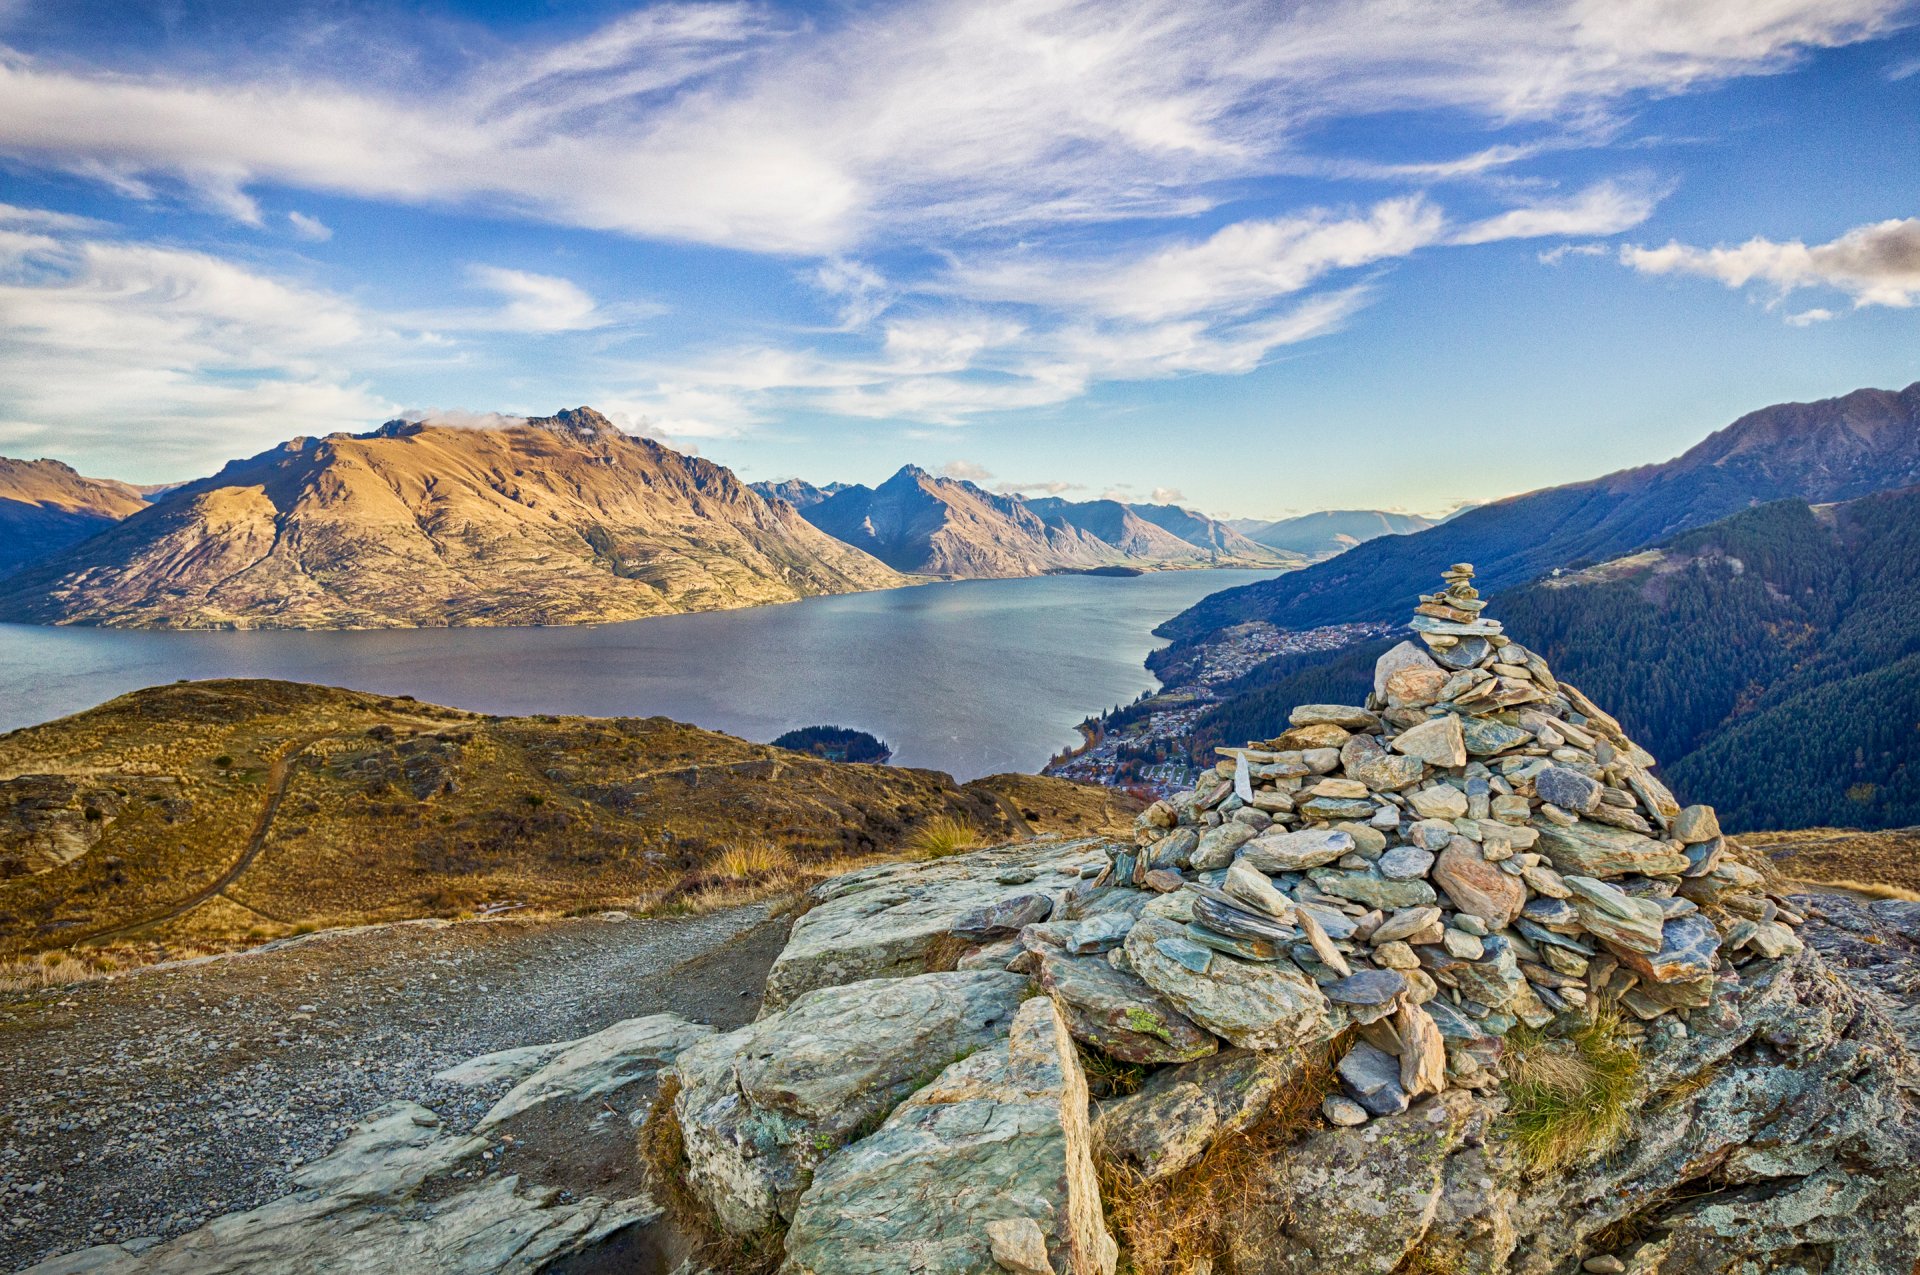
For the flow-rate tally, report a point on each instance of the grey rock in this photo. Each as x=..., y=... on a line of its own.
x=1485, y=737
x=1568, y=789
x=1366, y=987
x=1296, y=851
x=1181, y=1111
x=1437, y=741
x=1596, y=850
x=1372, y=889
x=999, y=1135
x=1405, y=863
x=1255, y=1006
x=1371, y=1077
x=759, y=1108
x=1217, y=846
x=1118, y=1013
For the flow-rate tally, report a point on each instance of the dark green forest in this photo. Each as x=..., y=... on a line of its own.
x=836, y=743
x=1770, y=660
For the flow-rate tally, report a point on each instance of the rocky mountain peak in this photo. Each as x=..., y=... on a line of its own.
x=578, y=422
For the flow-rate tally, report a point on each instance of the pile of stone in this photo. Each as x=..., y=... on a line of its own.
x=1477, y=847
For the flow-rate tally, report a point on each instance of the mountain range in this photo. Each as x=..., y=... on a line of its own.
x=925, y=524
x=45, y=506
x=553, y=520
x=1330, y=531
x=1834, y=449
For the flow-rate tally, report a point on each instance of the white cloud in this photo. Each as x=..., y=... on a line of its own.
x=966, y=471
x=1807, y=318
x=310, y=227
x=1167, y=496
x=1903, y=70
x=1605, y=208
x=462, y=418
x=1877, y=264
x=1554, y=256
x=537, y=302
x=715, y=124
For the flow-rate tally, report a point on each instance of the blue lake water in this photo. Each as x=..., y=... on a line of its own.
x=973, y=677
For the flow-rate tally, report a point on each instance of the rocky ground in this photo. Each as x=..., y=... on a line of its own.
x=147, y=1104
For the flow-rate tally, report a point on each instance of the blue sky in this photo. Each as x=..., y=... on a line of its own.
x=1259, y=258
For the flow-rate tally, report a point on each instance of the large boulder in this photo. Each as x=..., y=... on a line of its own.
x=1119, y=1014
x=1181, y=1111
x=760, y=1107
x=999, y=1137
x=882, y=922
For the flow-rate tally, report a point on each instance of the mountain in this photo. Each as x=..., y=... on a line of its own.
x=928, y=525
x=45, y=506
x=1770, y=660
x=1834, y=449
x=556, y=520
x=239, y=808
x=797, y=492
x=1331, y=531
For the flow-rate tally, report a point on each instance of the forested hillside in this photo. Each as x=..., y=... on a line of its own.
x=1770, y=660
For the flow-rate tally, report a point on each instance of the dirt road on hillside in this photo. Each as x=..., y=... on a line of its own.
x=146, y=1104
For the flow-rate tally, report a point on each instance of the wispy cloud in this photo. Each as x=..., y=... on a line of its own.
x=1876, y=265
x=311, y=228
x=536, y=302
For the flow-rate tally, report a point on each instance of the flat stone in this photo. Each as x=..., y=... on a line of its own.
x=1002, y=918
x=1372, y=889
x=1405, y=863
x=1467, y=947
x=1247, y=949
x=1476, y=886
x=1321, y=942
x=1371, y=1077
x=1342, y=1112
x=1320, y=735
x=1331, y=808
x=1407, y=655
x=1274, y=853
x=1217, y=846
x=1255, y=1006
x=1437, y=741
x=1441, y=801
x=1618, y=920
x=1335, y=714
x=1485, y=737
x=1000, y=1135
x=1331, y=787
x=1254, y=888
x=1689, y=950
x=1100, y=933
x=1228, y=915
x=1365, y=987
x=1403, y=924
x=1568, y=789
x=1118, y=1013
x=760, y=1107
x=1175, y=850
x=1164, y=881
x=1597, y=850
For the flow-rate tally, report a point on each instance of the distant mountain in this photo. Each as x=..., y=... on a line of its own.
x=1770, y=660
x=797, y=492
x=46, y=506
x=928, y=525
x=1331, y=531
x=1835, y=449
x=1207, y=533
x=557, y=520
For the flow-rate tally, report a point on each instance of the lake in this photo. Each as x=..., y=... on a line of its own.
x=973, y=677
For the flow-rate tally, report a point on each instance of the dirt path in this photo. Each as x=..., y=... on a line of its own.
x=279, y=771
x=146, y=1104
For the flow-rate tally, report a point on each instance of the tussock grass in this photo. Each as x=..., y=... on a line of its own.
x=941, y=836
x=1187, y=1223
x=1570, y=1097
x=52, y=969
x=1871, y=889
x=757, y=859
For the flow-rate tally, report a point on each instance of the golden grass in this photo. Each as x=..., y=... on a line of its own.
x=940, y=836
x=1866, y=863
x=1187, y=1223
x=1570, y=1097
x=53, y=969
x=1871, y=889
x=755, y=859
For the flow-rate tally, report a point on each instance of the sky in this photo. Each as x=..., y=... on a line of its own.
x=1254, y=258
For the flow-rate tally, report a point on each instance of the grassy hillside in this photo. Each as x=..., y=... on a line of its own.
x=212, y=813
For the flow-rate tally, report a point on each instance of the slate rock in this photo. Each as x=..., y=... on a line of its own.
x=1255, y=1006
x=1597, y=850
x=1437, y=741
x=1365, y=987
x=1118, y=1013
x=1181, y=1111
x=1274, y=853
x=1568, y=789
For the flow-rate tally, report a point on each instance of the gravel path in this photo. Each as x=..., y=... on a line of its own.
x=146, y=1104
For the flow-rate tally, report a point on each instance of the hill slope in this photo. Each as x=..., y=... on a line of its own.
x=45, y=506
x=1331, y=531
x=797, y=492
x=928, y=525
x=231, y=809
x=560, y=520
x=1770, y=660
x=1835, y=449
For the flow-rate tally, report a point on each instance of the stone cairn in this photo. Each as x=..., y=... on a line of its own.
x=1477, y=847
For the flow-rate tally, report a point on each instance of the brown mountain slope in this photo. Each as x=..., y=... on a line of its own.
x=222, y=811
x=561, y=520
x=46, y=506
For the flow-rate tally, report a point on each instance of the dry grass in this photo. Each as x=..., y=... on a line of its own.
x=1880, y=865
x=1186, y=1224
x=1108, y=1077
x=663, y=1149
x=1570, y=1097
x=940, y=836
x=53, y=969
x=1870, y=889
x=757, y=859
